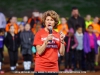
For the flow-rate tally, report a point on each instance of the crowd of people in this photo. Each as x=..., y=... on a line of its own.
x=81, y=39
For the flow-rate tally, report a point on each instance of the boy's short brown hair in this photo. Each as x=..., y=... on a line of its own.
x=51, y=13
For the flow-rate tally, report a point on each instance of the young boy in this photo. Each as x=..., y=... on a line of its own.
x=26, y=45
x=79, y=48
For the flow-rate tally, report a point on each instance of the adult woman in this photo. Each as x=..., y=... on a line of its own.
x=47, y=50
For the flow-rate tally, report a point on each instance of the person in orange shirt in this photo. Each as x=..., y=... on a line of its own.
x=96, y=30
x=12, y=21
x=34, y=19
x=48, y=45
x=63, y=27
x=37, y=28
x=96, y=26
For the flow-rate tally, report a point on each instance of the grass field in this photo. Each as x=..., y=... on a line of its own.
x=63, y=7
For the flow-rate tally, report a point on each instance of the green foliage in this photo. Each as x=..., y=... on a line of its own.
x=63, y=7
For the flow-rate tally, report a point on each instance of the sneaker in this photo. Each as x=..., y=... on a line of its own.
x=2, y=72
x=70, y=70
x=66, y=70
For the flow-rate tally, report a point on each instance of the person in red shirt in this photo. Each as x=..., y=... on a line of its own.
x=48, y=45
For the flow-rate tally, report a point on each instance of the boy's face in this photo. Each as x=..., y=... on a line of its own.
x=27, y=27
x=79, y=30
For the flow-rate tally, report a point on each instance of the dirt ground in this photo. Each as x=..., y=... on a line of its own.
x=6, y=68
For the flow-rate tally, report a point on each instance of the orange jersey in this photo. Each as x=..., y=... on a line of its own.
x=30, y=19
x=35, y=29
x=97, y=28
x=48, y=61
x=63, y=28
x=15, y=26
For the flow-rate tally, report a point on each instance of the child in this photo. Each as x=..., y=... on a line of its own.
x=21, y=28
x=79, y=48
x=12, y=42
x=98, y=42
x=90, y=48
x=26, y=45
x=63, y=27
x=1, y=49
x=71, y=44
x=24, y=22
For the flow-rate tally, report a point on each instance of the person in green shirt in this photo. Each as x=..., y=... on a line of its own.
x=88, y=21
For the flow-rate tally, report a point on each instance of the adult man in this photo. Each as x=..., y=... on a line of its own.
x=76, y=19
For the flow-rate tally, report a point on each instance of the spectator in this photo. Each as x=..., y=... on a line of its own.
x=63, y=27
x=71, y=44
x=12, y=21
x=1, y=50
x=21, y=28
x=37, y=28
x=12, y=42
x=79, y=48
x=25, y=20
x=26, y=45
x=2, y=21
x=96, y=30
x=90, y=48
x=34, y=19
x=41, y=15
x=98, y=41
x=96, y=26
x=88, y=21
x=76, y=19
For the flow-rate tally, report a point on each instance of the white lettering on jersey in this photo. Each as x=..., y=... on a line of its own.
x=51, y=44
